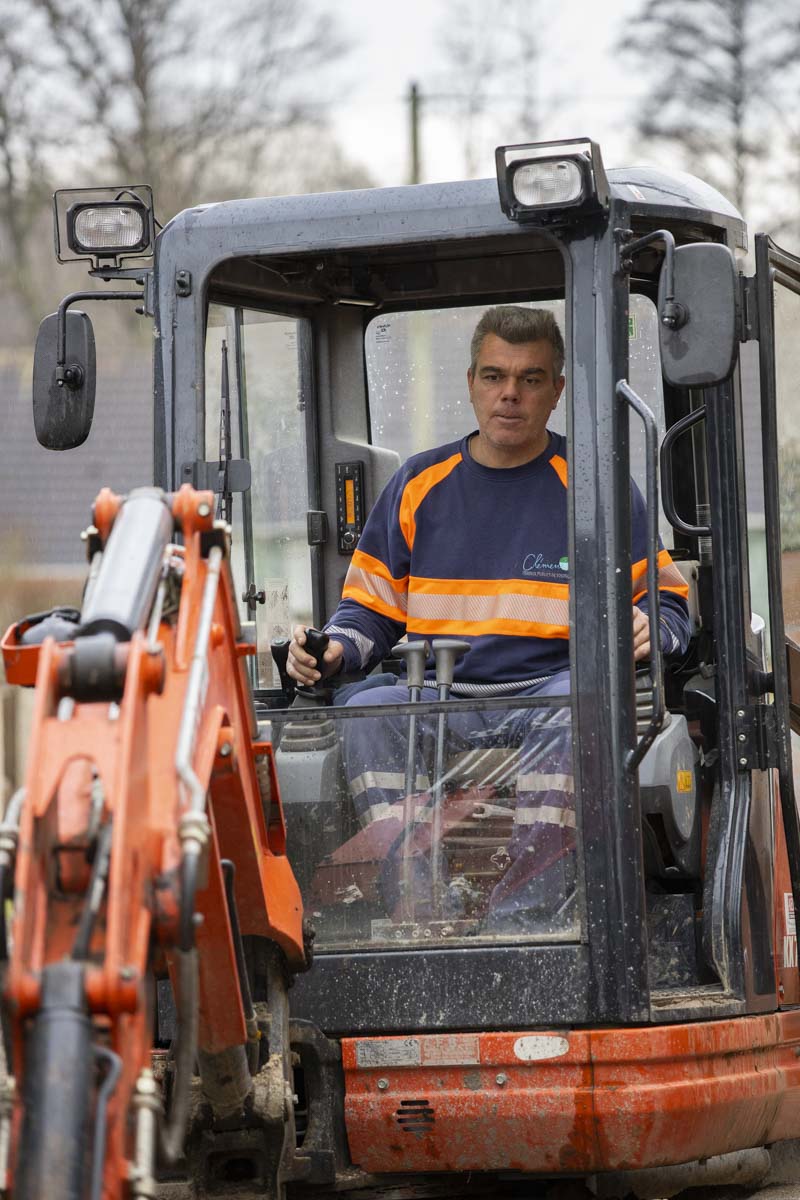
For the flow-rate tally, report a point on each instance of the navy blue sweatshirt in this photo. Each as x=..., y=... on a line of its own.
x=456, y=549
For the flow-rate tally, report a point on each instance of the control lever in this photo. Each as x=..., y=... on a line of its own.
x=415, y=655
x=446, y=651
x=279, y=649
x=307, y=697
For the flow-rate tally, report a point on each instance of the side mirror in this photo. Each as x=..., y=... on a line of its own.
x=63, y=408
x=701, y=348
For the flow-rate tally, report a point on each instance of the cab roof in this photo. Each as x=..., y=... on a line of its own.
x=420, y=213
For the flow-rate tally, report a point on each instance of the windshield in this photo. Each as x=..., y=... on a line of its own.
x=416, y=365
x=433, y=823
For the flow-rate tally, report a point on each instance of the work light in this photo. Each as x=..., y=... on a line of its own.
x=104, y=225
x=108, y=228
x=546, y=183
x=550, y=182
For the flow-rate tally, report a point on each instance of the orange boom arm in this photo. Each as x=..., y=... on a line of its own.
x=146, y=774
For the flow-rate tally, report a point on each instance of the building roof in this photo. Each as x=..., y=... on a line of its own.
x=46, y=497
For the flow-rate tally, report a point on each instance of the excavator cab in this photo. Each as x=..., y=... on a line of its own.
x=513, y=989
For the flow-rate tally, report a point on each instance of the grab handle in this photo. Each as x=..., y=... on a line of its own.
x=625, y=392
x=667, y=496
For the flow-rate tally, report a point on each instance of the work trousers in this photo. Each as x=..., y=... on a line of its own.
x=538, y=882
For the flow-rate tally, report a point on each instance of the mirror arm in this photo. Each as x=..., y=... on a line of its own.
x=73, y=376
x=673, y=313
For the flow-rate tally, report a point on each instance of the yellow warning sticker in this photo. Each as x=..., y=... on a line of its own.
x=684, y=781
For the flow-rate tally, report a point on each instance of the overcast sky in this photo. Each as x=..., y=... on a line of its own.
x=585, y=90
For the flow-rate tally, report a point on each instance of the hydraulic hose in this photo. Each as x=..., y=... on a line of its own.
x=190, y=870
x=173, y=1131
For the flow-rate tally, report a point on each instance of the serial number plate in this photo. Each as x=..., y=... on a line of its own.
x=437, y=1050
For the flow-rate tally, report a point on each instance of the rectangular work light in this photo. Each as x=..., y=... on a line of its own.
x=104, y=225
x=108, y=228
x=551, y=182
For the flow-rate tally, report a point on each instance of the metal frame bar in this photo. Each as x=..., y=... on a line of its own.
x=725, y=867
x=767, y=256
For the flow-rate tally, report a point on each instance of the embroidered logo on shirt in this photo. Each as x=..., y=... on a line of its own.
x=536, y=563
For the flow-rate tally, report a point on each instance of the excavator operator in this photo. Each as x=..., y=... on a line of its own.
x=470, y=540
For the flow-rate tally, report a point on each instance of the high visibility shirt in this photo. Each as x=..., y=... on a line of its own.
x=456, y=549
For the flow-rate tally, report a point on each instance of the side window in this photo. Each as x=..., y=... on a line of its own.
x=787, y=364
x=645, y=379
x=267, y=424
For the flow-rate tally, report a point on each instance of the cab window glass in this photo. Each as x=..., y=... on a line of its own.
x=416, y=372
x=787, y=353
x=417, y=376
x=267, y=423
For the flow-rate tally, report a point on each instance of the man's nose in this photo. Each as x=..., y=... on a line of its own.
x=510, y=389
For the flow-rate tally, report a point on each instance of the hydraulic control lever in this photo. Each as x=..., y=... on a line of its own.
x=307, y=697
x=415, y=655
x=279, y=650
x=446, y=652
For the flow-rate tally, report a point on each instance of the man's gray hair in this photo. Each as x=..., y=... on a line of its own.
x=515, y=324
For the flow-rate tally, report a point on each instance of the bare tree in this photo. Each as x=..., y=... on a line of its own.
x=203, y=101
x=708, y=63
x=784, y=176
x=490, y=81
x=24, y=179
x=188, y=97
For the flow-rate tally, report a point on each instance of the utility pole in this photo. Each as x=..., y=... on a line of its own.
x=414, y=105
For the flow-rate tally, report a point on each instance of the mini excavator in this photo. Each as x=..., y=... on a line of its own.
x=188, y=828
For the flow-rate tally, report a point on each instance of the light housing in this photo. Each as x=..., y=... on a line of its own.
x=551, y=182
x=104, y=225
x=108, y=228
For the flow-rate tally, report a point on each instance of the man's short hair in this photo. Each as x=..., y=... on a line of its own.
x=515, y=324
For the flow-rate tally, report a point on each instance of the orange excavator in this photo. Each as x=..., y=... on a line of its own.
x=630, y=1026
x=147, y=782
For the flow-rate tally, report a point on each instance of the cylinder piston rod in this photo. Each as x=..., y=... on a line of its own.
x=126, y=583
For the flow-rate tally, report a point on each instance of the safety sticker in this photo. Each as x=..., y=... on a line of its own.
x=389, y=1052
x=790, y=934
x=684, y=781
x=633, y=330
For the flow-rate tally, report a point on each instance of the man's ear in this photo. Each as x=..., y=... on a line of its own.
x=470, y=378
x=559, y=388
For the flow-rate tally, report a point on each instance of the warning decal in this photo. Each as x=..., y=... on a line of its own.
x=790, y=931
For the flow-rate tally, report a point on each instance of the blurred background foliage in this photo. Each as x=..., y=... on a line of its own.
x=206, y=102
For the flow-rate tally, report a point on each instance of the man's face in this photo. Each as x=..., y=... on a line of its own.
x=513, y=393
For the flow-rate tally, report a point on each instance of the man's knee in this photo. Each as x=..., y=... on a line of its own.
x=390, y=694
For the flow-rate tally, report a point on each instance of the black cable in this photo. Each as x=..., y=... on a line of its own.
x=190, y=869
x=3, y=930
x=103, y=1096
x=229, y=873
x=96, y=891
x=173, y=1131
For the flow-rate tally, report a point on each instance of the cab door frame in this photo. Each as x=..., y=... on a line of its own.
x=775, y=266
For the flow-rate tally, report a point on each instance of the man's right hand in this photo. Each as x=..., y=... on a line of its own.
x=302, y=666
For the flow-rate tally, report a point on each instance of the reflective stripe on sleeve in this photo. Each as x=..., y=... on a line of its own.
x=363, y=644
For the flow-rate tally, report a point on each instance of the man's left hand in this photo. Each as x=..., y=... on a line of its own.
x=641, y=635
